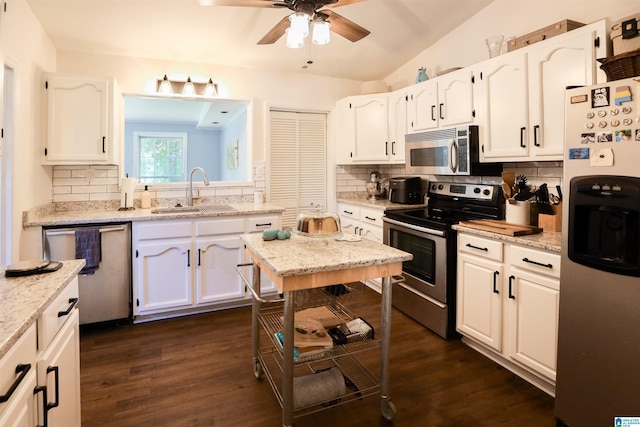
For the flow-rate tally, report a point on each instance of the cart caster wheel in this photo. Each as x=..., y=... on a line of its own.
x=388, y=409
x=257, y=369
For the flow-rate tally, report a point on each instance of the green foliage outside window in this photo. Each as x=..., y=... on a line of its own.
x=161, y=159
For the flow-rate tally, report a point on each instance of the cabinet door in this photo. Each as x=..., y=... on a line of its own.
x=397, y=116
x=533, y=321
x=344, y=133
x=502, y=104
x=553, y=67
x=370, y=128
x=422, y=106
x=162, y=275
x=216, y=277
x=59, y=370
x=78, y=120
x=20, y=410
x=479, y=300
x=455, y=98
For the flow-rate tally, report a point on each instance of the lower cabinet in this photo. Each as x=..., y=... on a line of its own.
x=187, y=266
x=507, y=305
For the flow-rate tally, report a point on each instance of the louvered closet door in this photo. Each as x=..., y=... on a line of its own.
x=297, y=169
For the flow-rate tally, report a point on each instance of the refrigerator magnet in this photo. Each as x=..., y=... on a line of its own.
x=578, y=153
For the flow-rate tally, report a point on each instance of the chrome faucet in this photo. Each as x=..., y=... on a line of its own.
x=206, y=182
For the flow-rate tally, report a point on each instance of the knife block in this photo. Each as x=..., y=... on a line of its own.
x=551, y=223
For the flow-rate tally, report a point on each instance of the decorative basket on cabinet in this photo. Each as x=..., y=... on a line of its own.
x=621, y=66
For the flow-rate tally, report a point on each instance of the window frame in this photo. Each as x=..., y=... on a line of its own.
x=136, y=151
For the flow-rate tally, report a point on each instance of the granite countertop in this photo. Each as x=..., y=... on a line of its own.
x=73, y=217
x=550, y=241
x=306, y=255
x=23, y=299
x=381, y=204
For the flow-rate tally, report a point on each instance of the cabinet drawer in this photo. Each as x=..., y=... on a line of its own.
x=23, y=352
x=371, y=216
x=261, y=223
x=348, y=211
x=220, y=226
x=540, y=262
x=479, y=246
x=53, y=318
x=162, y=230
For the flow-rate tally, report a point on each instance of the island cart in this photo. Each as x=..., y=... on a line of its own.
x=312, y=272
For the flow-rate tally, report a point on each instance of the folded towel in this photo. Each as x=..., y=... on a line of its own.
x=88, y=246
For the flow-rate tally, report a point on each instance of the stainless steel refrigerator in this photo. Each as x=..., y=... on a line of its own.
x=598, y=376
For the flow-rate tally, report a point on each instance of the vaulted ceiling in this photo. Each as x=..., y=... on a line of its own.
x=190, y=30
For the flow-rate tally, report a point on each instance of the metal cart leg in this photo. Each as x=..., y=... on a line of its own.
x=255, y=326
x=386, y=406
x=287, y=378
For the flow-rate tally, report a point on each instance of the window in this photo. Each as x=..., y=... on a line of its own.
x=160, y=156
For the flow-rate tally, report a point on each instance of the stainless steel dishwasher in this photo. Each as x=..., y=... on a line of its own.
x=105, y=294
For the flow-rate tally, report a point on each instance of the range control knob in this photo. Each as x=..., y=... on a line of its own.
x=440, y=186
x=476, y=190
x=433, y=186
x=486, y=192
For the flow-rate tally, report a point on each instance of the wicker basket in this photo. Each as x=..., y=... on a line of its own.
x=621, y=66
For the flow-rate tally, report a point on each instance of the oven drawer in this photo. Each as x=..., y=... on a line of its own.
x=479, y=246
x=536, y=261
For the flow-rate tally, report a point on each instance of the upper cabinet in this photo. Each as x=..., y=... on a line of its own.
x=84, y=121
x=371, y=128
x=441, y=102
x=521, y=94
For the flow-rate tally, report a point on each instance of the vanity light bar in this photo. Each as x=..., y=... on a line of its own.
x=166, y=86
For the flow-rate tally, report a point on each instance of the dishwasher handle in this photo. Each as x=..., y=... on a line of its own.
x=70, y=232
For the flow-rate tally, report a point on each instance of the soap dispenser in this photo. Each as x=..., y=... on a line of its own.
x=145, y=198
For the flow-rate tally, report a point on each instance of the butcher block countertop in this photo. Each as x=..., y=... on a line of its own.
x=545, y=240
x=23, y=299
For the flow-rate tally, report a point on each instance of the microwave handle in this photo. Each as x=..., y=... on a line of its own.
x=453, y=159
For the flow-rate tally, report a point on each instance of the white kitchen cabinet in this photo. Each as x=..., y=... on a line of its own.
x=83, y=121
x=507, y=305
x=20, y=410
x=444, y=101
x=18, y=369
x=257, y=224
x=58, y=360
x=371, y=128
x=521, y=94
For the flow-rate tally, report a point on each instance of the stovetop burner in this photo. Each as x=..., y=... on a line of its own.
x=450, y=203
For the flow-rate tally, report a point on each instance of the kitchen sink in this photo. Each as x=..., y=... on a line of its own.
x=206, y=209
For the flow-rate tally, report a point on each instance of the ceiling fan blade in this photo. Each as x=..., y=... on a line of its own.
x=276, y=32
x=243, y=3
x=344, y=27
x=342, y=3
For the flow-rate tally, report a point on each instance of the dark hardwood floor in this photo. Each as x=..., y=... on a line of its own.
x=197, y=371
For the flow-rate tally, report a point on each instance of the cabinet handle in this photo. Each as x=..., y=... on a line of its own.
x=45, y=411
x=511, y=279
x=495, y=282
x=469, y=245
x=72, y=303
x=393, y=148
x=386, y=148
x=355, y=230
x=266, y=224
x=522, y=134
x=188, y=257
x=348, y=212
x=22, y=370
x=536, y=131
x=55, y=404
x=441, y=117
x=369, y=218
x=537, y=263
x=198, y=257
x=433, y=113
x=103, y=143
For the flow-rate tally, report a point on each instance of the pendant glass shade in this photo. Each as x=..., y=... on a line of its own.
x=321, y=32
x=210, y=89
x=189, y=89
x=294, y=41
x=165, y=86
x=299, y=24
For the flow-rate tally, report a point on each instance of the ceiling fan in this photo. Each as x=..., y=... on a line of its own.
x=314, y=8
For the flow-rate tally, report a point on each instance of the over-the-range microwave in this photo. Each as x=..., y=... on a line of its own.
x=453, y=151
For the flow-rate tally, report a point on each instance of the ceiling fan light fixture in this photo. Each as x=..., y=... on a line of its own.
x=299, y=24
x=321, y=32
x=294, y=41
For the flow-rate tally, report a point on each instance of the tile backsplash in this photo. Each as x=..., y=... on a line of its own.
x=351, y=180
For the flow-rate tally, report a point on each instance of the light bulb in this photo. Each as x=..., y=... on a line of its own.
x=299, y=24
x=321, y=32
x=165, y=86
x=189, y=89
x=210, y=89
x=294, y=41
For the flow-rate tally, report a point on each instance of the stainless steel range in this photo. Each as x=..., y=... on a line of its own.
x=428, y=294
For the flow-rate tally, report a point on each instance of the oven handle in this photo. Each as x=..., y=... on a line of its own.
x=414, y=227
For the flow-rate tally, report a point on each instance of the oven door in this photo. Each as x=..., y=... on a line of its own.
x=427, y=271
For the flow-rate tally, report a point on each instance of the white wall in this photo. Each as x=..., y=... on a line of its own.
x=511, y=18
x=27, y=49
x=266, y=88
